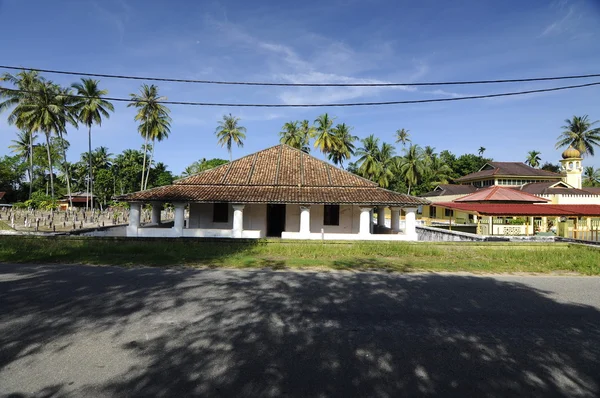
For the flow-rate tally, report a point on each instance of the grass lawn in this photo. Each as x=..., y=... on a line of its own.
x=277, y=254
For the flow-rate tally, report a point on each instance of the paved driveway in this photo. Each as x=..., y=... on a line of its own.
x=71, y=331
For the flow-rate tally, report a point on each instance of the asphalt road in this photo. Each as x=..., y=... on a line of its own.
x=76, y=331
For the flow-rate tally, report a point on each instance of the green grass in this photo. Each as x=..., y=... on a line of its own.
x=4, y=226
x=276, y=254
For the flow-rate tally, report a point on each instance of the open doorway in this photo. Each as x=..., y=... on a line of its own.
x=275, y=220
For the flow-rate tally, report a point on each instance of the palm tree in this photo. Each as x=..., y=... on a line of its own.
x=533, y=158
x=159, y=131
x=344, y=148
x=291, y=135
x=578, y=132
x=591, y=176
x=23, y=147
x=67, y=104
x=385, y=160
x=481, y=150
x=410, y=166
x=402, y=136
x=326, y=140
x=46, y=112
x=229, y=131
x=25, y=82
x=368, y=163
x=151, y=115
x=428, y=154
x=437, y=171
x=308, y=133
x=91, y=108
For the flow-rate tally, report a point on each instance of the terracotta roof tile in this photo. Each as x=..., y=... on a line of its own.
x=509, y=169
x=279, y=174
x=501, y=194
x=450, y=189
x=533, y=209
x=546, y=188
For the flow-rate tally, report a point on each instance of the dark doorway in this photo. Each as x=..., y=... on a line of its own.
x=275, y=220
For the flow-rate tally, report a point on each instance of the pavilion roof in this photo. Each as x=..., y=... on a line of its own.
x=501, y=194
x=534, y=209
x=280, y=174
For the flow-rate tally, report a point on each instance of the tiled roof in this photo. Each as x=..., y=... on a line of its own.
x=592, y=190
x=508, y=169
x=280, y=174
x=540, y=210
x=546, y=188
x=501, y=194
x=450, y=189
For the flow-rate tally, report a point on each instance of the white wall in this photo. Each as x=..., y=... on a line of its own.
x=349, y=219
x=255, y=217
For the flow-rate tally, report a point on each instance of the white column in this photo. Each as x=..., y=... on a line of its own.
x=238, y=220
x=305, y=221
x=365, y=221
x=135, y=210
x=156, y=209
x=179, y=218
x=411, y=222
x=381, y=216
x=395, y=219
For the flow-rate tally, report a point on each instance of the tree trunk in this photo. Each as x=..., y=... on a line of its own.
x=50, y=164
x=30, y=163
x=408, y=189
x=149, y=166
x=91, y=175
x=144, y=163
x=65, y=165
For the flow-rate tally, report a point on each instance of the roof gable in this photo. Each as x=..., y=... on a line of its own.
x=501, y=194
x=280, y=165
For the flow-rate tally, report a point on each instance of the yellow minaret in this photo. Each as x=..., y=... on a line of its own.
x=571, y=166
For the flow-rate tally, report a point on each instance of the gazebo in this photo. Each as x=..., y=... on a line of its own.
x=277, y=192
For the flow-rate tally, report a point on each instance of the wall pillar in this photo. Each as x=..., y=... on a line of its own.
x=395, y=219
x=411, y=222
x=156, y=209
x=238, y=220
x=305, y=220
x=365, y=221
x=135, y=211
x=179, y=218
x=381, y=216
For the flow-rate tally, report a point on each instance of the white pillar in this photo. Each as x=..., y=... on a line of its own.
x=156, y=209
x=305, y=221
x=179, y=218
x=395, y=219
x=365, y=221
x=381, y=216
x=411, y=222
x=238, y=220
x=135, y=210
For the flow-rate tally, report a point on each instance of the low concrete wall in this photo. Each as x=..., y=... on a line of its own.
x=431, y=234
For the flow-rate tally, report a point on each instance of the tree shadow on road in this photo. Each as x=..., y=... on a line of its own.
x=262, y=333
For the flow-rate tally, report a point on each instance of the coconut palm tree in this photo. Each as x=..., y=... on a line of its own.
x=67, y=104
x=410, y=166
x=344, y=148
x=533, y=158
x=46, y=112
x=402, y=136
x=230, y=131
x=579, y=133
x=291, y=135
x=325, y=137
x=308, y=133
x=428, y=154
x=591, y=176
x=25, y=82
x=437, y=171
x=91, y=108
x=368, y=153
x=151, y=115
x=159, y=131
x=23, y=147
x=481, y=150
x=385, y=160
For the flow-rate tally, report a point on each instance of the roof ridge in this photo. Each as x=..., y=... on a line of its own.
x=278, y=165
x=252, y=169
x=301, y=168
x=226, y=173
x=329, y=174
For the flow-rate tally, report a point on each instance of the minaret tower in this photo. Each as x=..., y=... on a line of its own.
x=571, y=166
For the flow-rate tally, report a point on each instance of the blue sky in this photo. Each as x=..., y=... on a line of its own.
x=320, y=41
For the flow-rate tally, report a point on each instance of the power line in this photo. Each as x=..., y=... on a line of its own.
x=240, y=83
x=421, y=101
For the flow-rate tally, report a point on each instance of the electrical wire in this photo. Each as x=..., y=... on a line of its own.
x=242, y=83
x=404, y=102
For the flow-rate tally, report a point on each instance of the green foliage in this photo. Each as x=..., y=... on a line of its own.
x=579, y=133
x=202, y=165
x=42, y=201
x=551, y=167
x=229, y=131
